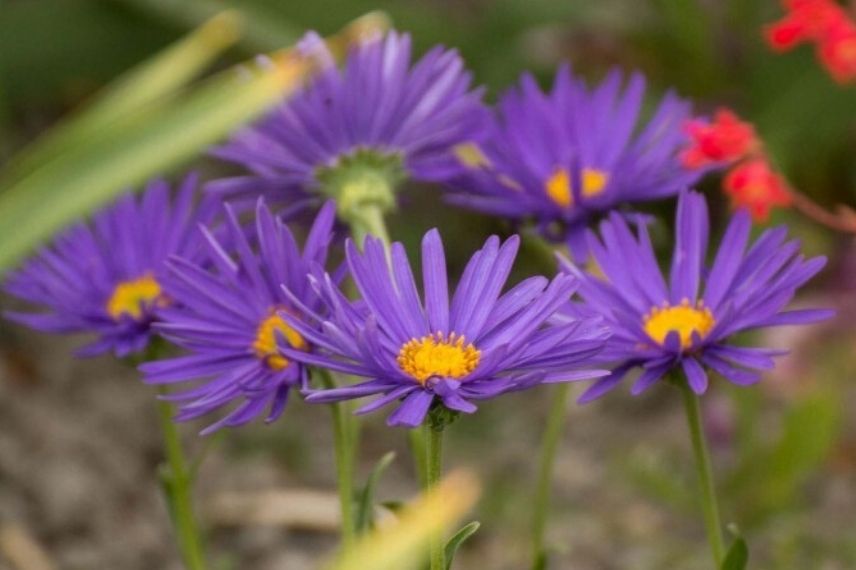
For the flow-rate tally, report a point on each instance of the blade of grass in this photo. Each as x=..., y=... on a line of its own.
x=159, y=76
x=156, y=141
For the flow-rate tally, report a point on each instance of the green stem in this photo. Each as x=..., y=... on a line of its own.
x=344, y=444
x=549, y=446
x=370, y=221
x=416, y=439
x=178, y=483
x=433, y=472
x=702, y=457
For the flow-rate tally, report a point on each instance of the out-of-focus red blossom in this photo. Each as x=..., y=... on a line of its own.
x=754, y=185
x=838, y=51
x=824, y=22
x=725, y=140
x=807, y=20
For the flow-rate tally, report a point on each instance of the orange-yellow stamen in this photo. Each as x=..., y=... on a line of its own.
x=132, y=297
x=559, y=187
x=438, y=355
x=685, y=319
x=265, y=345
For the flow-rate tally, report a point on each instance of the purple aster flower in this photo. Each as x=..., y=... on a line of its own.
x=562, y=158
x=479, y=345
x=378, y=116
x=688, y=323
x=229, y=317
x=106, y=278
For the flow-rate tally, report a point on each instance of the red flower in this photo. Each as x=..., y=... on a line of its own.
x=837, y=51
x=754, y=185
x=725, y=140
x=807, y=20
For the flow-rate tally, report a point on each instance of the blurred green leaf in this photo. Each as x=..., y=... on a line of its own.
x=149, y=142
x=737, y=556
x=365, y=503
x=457, y=540
x=155, y=78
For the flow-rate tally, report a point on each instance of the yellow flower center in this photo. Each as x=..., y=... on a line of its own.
x=559, y=188
x=684, y=319
x=438, y=355
x=266, y=336
x=134, y=296
x=470, y=155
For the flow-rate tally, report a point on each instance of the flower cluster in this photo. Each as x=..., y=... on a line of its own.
x=827, y=25
x=729, y=142
x=564, y=157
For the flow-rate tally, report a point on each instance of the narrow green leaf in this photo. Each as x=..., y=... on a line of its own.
x=157, y=77
x=457, y=540
x=365, y=504
x=738, y=555
x=150, y=142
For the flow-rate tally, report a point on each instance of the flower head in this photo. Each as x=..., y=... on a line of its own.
x=722, y=141
x=563, y=157
x=755, y=186
x=231, y=318
x=478, y=345
x=106, y=277
x=380, y=115
x=838, y=51
x=689, y=322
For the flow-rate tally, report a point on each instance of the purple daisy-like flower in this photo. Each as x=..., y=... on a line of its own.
x=230, y=319
x=564, y=157
x=688, y=323
x=378, y=113
x=106, y=277
x=479, y=345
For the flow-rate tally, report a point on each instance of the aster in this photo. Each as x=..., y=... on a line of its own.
x=229, y=319
x=442, y=352
x=564, y=157
x=689, y=322
x=106, y=277
x=353, y=133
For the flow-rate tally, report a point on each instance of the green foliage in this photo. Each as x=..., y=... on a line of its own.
x=457, y=540
x=365, y=520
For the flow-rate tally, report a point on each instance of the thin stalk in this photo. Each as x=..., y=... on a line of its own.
x=416, y=439
x=703, y=465
x=433, y=473
x=549, y=446
x=344, y=444
x=178, y=483
x=370, y=222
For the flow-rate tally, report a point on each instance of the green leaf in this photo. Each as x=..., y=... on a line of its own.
x=457, y=540
x=365, y=503
x=151, y=142
x=157, y=77
x=738, y=555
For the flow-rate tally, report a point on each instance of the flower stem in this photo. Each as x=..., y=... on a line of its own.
x=344, y=443
x=702, y=457
x=549, y=446
x=178, y=482
x=433, y=472
x=370, y=221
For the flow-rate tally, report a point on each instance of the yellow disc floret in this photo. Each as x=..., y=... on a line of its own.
x=266, y=336
x=559, y=188
x=685, y=319
x=131, y=298
x=438, y=355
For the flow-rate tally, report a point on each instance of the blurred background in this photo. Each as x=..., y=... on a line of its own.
x=78, y=439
